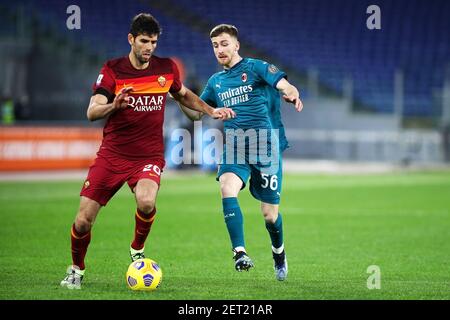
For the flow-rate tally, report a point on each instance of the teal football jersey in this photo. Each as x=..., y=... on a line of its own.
x=274, y=106
x=249, y=88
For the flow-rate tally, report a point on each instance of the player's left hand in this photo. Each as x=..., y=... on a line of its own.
x=295, y=100
x=223, y=113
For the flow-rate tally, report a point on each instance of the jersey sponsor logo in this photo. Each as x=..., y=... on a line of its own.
x=146, y=103
x=234, y=96
x=162, y=81
x=273, y=69
x=99, y=79
x=233, y=92
x=244, y=77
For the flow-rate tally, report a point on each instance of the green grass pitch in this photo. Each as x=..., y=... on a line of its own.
x=335, y=228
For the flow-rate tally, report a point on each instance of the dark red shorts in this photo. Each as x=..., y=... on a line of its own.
x=107, y=175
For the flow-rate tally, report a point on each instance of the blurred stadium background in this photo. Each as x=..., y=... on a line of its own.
x=375, y=101
x=370, y=96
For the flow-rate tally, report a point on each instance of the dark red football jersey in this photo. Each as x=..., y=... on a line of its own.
x=136, y=132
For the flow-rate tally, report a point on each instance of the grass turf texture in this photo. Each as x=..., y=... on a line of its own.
x=335, y=227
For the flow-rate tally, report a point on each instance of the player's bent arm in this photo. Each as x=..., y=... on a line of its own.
x=290, y=93
x=190, y=100
x=191, y=114
x=186, y=98
x=287, y=89
x=100, y=108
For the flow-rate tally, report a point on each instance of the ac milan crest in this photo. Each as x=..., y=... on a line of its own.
x=244, y=77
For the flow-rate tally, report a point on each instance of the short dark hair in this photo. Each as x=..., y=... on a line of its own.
x=224, y=28
x=145, y=23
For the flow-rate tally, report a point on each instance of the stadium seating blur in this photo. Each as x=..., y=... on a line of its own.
x=328, y=36
x=332, y=37
x=105, y=25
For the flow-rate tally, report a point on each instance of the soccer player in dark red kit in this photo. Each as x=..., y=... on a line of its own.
x=130, y=92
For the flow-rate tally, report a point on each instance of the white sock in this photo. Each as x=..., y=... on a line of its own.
x=237, y=249
x=278, y=250
x=134, y=251
x=78, y=270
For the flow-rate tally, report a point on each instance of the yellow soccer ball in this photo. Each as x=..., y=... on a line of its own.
x=144, y=274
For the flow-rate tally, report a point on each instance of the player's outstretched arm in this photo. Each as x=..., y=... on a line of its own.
x=100, y=108
x=188, y=99
x=290, y=94
x=191, y=114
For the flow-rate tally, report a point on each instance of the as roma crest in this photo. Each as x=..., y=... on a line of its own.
x=244, y=77
x=162, y=81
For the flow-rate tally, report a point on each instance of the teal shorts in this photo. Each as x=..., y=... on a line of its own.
x=265, y=183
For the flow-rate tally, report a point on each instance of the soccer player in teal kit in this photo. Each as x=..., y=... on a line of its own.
x=251, y=88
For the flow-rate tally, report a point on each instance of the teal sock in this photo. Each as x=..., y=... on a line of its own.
x=276, y=232
x=234, y=221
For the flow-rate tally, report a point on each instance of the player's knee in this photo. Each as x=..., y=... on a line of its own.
x=86, y=215
x=230, y=185
x=270, y=213
x=228, y=190
x=83, y=223
x=146, y=204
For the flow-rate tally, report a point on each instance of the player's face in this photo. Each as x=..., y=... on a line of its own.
x=143, y=46
x=225, y=49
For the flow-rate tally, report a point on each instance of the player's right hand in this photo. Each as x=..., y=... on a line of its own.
x=121, y=100
x=223, y=113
